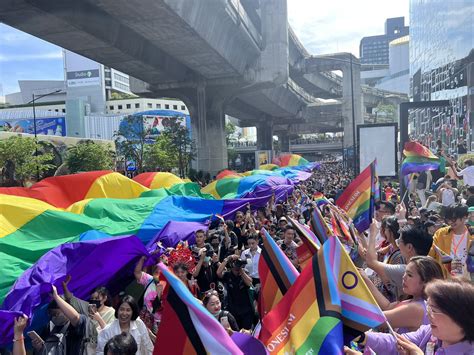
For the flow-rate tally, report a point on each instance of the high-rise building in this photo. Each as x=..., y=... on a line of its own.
x=375, y=49
x=442, y=68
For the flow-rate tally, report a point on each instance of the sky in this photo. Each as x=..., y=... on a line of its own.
x=322, y=26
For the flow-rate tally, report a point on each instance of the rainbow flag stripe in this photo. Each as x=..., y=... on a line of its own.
x=360, y=311
x=319, y=226
x=327, y=307
x=290, y=160
x=358, y=199
x=306, y=320
x=418, y=158
x=276, y=272
x=191, y=327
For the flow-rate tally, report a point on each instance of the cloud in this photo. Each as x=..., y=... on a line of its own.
x=339, y=25
x=31, y=57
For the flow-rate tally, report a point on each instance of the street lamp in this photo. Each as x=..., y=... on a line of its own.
x=33, y=101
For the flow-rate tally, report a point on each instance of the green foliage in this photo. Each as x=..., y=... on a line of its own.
x=161, y=155
x=173, y=148
x=229, y=132
x=89, y=156
x=130, y=141
x=19, y=155
x=181, y=144
x=386, y=112
x=121, y=96
x=463, y=158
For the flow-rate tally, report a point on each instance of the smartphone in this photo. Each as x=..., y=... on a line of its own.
x=92, y=308
x=34, y=336
x=225, y=322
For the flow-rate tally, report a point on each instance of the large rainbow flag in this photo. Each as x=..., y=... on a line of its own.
x=290, y=160
x=358, y=198
x=101, y=204
x=114, y=257
x=418, y=158
x=62, y=209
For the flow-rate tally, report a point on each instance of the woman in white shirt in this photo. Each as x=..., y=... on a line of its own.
x=127, y=321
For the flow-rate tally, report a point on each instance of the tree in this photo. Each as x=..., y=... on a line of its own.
x=89, y=156
x=19, y=156
x=181, y=143
x=230, y=139
x=385, y=113
x=131, y=140
x=161, y=155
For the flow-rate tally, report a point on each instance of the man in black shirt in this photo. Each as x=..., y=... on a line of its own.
x=238, y=285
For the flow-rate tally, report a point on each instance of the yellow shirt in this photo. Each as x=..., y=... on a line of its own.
x=443, y=238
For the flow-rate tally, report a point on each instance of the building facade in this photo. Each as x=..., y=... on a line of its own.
x=375, y=49
x=442, y=68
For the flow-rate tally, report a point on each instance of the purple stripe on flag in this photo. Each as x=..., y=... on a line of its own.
x=362, y=312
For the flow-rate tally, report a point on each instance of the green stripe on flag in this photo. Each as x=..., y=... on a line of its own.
x=318, y=334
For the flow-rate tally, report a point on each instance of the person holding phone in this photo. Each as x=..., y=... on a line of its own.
x=97, y=310
x=65, y=332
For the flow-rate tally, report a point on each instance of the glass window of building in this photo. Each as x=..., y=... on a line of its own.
x=111, y=107
x=137, y=105
x=129, y=106
x=167, y=106
x=150, y=105
x=175, y=107
x=158, y=105
x=183, y=108
x=119, y=107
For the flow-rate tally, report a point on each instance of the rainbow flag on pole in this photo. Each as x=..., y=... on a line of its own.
x=358, y=198
x=276, y=272
x=327, y=307
x=418, y=158
x=187, y=327
x=305, y=321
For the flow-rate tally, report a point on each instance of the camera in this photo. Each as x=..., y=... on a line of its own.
x=283, y=247
x=209, y=249
x=239, y=263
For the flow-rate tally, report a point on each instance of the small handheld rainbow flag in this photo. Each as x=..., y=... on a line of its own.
x=358, y=198
x=418, y=158
x=320, y=199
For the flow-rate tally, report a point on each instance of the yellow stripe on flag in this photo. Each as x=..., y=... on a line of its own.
x=16, y=211
x=115, y=185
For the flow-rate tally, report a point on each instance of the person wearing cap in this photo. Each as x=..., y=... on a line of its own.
x=282, y=223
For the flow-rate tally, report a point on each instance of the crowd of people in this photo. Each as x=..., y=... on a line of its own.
x=417, y=259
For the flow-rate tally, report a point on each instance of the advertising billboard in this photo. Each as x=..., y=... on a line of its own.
x=379, y=141
x=81, y=71
x=52, y=126
x=152, y=123
x=262, y=157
